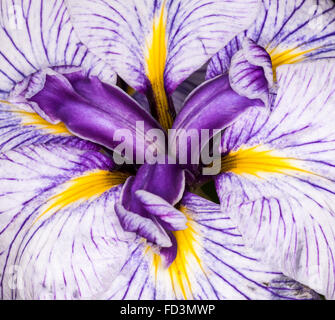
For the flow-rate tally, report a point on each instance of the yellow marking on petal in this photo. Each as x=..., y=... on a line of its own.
x=187, y=259
x=155, y=59
x=33, y=119
x=5, y=102
x=87, y=187
x=280, y=57
x=257, y=160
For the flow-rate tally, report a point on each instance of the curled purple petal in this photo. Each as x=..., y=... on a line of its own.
x=250, y=73
x=212, y=106
x=144, y=227
x=147, y=203
x=173, y=219
x=95, y=111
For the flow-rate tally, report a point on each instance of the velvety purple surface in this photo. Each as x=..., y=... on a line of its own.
x=213, y=105
x=93, y=110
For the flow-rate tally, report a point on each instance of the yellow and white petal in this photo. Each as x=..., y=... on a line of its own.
x=21, y=126
x=291, y=31
x=155, y=45
x=212, y=263
x=59, y=235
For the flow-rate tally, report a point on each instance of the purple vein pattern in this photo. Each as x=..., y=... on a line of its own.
x=75, y=253
x=290, y=218
x=38, y=34
x=196, y=29
x=291, y=24
x=82, y=251
x=229, y=270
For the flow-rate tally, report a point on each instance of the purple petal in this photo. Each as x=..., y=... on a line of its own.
x=213, y=106
x=147, y=203
x=173, y=219
x=95, y=111
x=187, y=86
x=166, y=181
x=142, y=227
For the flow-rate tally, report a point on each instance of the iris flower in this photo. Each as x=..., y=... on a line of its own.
x=74, y=224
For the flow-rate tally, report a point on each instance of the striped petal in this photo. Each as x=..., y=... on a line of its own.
x=279, y=180
x=36, y=34
x=146, y=40
x=212, y=263
x=291, y=31
x=59, y=235
x=77, y=249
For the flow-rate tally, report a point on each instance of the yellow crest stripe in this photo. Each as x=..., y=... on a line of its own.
x=5, y=102
x=256, y=160
x=87, y=187
x=155, y=58
x=289, y=56
x=186, y=261
x=33, y=119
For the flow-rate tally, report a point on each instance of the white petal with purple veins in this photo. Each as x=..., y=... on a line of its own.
x=290, y=30
x=21, y=126
x=279, y=184
x=169, y=38
x=58, y=228
x=81, y=251
x=212, y=263
x=36, y=34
